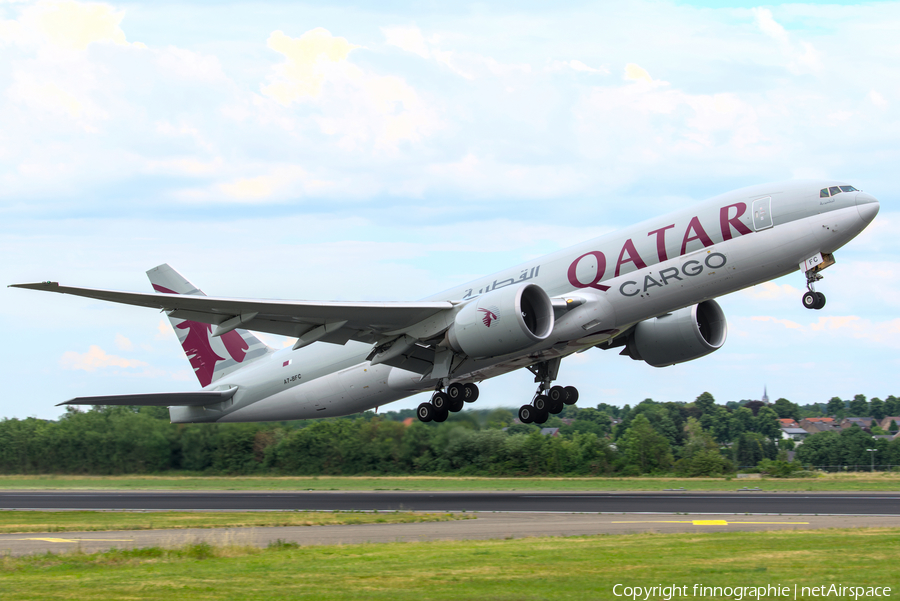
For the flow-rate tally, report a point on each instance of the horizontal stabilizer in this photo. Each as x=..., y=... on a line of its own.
x=157, y=399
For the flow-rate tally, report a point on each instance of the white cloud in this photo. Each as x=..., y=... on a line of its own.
x=71, y=25
x=123, y=343
x=801, y=57
x=772, y=291
x=407, y=38
x=95, y=358
x=310, y=59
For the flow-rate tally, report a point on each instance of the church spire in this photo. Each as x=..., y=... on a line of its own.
x=765, y=398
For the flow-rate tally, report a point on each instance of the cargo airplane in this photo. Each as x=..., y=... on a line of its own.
x=648, y=290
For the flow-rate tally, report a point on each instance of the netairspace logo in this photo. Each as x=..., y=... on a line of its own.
x=738, y=593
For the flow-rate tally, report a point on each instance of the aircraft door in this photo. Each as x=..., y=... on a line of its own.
x=762, y=213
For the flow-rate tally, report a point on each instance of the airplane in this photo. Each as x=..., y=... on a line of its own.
x=648, y=290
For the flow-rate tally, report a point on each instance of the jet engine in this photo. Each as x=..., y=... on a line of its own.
x=502, y=321
x=679, y=336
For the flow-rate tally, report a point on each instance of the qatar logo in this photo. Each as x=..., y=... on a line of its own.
x=491, y=315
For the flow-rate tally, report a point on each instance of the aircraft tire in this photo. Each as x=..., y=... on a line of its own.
x=810, y=300
x=526, y=414
x=571, y=395
x=456, y=391
x=425, y=412
x=471, y=393
x=441, y=401
x=555, y=407
x=441, y=416
x=540, y=403
x=820, y=301
x=557, y=393
x=542, y=417
x=456, y=404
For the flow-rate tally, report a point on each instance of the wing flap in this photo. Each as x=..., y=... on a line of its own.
x=157, y=399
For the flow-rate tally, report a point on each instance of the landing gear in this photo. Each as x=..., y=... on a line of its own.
x=443, y=403
x=811, y=298
x=547, y=399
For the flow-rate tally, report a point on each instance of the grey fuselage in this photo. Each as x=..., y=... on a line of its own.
x=697, y=253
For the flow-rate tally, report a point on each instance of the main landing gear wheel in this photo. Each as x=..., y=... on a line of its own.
x=425, y=412
x=471, y=393
x=441, y=401
x=526, y=414
x=571, y=395
x=441, y=416
x=456, y=391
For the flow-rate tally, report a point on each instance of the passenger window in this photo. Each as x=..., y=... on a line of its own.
x=823, y=193
x=834, y=190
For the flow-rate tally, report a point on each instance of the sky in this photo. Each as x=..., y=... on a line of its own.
x=386, y=151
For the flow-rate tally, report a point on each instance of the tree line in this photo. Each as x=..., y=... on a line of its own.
x=694, y=439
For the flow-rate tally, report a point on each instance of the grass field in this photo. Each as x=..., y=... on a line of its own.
x=859, y=481
x=537, y=568
x=85, y=521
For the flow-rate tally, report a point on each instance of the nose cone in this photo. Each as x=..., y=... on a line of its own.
x=867, y=205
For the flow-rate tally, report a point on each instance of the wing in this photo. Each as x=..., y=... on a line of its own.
x=335, y=322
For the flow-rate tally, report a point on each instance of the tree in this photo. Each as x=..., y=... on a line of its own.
x=835, y=406
x=858, y=406
x=644, y=447
x=786, y=409
x=876, y=409
x=892, y=427
x=705, y=402
x=892, y=406
x=752, y=447
x=766, y=423
x=700, y=455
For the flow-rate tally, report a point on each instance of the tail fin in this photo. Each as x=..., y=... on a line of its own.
x=211, y=357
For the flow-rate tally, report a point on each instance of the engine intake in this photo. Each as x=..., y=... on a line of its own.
x=683, y=335
x=502, y=321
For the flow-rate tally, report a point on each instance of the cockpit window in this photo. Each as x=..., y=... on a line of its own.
x=823, y=193
x=834, y=190
x=848, y=189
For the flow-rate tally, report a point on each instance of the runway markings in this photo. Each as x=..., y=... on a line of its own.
x=79, y=540
x=703, y=522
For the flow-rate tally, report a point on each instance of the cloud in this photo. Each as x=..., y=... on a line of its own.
x=772, y=291
x=801, y=57
x=70, y=25
x=882, y=333
x=791, y=325
x=407, y=38
x=310, y=58
x=635, y=72
x=96, y=358
x=123, y=343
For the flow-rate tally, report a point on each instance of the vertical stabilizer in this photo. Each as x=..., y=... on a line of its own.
x=211, y=357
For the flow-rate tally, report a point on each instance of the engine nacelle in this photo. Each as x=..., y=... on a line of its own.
x=502, y=321
x=681, y=336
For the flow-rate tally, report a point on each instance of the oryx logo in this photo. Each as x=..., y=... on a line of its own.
x=491, y=315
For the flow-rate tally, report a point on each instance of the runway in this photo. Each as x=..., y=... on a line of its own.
x=484, y=526
x=759, y=503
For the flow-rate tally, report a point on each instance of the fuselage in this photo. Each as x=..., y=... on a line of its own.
x=693, y=254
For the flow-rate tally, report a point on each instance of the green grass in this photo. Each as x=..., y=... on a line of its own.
x=861, y=481
x=584, y=567
x=85, y=521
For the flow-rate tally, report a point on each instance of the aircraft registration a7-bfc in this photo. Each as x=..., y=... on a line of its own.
x=648, y=290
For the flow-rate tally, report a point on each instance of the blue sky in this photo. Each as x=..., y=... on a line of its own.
x=360, y=151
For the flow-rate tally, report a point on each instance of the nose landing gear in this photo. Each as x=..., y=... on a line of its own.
x=811, y=267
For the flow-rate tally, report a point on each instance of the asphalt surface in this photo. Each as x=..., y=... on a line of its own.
x=484, y=526
x=757, y=502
